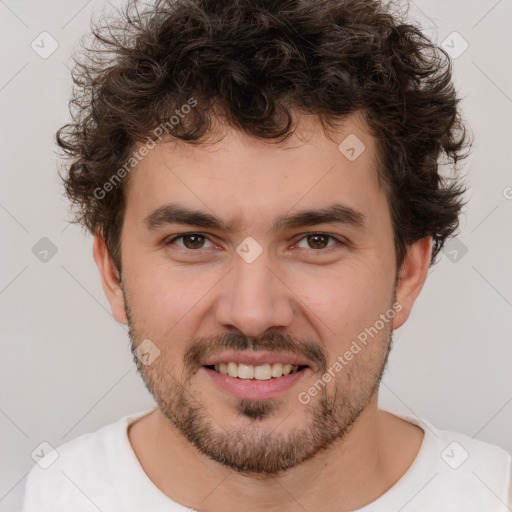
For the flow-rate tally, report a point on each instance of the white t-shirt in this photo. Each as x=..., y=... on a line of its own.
x=100, y=472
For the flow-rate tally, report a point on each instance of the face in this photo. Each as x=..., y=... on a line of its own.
x=243, y=258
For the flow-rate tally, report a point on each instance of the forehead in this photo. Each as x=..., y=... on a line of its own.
x=249, y=181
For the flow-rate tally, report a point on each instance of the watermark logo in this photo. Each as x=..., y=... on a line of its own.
x=455, y=250
x=147, y=352
x=44, y=250
x=44, y=455
x=455, y=455
x=454, y=45
x=352, y=147
x=44, y=45
x=249, y=249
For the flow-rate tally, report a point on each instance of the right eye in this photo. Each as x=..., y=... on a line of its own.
x=190, y=241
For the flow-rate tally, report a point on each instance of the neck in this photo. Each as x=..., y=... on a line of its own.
x=352, y=472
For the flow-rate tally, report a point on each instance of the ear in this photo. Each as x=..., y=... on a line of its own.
x=109, y=279
x=412, y=276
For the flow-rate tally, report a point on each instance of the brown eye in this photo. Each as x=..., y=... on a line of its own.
x=190, y=241
x=193, y=241
x=318, y=241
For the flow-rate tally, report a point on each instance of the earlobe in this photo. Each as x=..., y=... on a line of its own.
x=109, y=278
x=412, y=278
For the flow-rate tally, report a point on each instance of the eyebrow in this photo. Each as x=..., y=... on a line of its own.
x=174, y=213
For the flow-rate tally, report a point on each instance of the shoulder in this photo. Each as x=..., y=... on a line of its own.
x=466, y=471
x=65, y=475
x=461, y=451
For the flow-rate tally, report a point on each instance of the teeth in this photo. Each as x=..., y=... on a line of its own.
x=232, y=369
x=261, y=372
x=277, y=370
x=245, y=371
x=287, y=368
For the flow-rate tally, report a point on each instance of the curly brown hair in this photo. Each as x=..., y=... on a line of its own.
x=259, y=62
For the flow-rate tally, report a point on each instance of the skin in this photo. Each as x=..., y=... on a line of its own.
x=325, y=296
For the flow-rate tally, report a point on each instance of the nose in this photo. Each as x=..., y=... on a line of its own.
x=254, y=298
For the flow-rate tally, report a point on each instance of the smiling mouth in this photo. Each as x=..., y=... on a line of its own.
x=260, y=372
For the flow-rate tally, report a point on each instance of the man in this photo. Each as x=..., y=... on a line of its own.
x=261, y=180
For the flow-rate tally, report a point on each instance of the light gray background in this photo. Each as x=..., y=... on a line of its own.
x=66, y=368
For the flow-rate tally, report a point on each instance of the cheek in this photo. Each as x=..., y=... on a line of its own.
x=346, y=301
x=165, y=299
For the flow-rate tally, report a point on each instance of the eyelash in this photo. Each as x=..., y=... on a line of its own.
x=177, y=237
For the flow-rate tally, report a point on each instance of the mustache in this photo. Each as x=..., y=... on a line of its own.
x=273, y=341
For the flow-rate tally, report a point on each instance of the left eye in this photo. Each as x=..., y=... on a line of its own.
x=318, y=241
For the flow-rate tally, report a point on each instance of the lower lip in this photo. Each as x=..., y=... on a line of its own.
x=255, y=389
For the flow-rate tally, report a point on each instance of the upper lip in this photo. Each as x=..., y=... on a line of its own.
x=255, y=358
